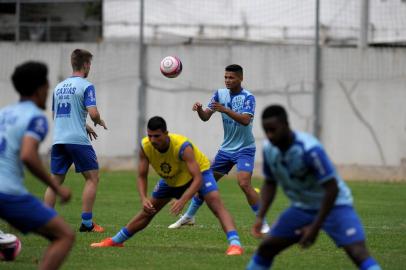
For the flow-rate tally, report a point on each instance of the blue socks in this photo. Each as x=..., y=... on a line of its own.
x=255, y=208
x=194, y=206
x=233, y=238
x=259, y=263
x=87, y=219
x=369, y=264
x=122, y=236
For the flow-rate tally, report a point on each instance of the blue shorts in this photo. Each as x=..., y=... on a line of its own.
x=162, y=190
x=63, y=155
x=342, y=224
x=224, y=161
x=25, y=212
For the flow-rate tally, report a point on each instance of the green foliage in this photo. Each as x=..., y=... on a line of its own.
x=380, y=205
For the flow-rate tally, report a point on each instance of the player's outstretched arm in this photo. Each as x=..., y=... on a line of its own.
x=30, y=157
x=267, y=196
x=95, y=116
x=310, y=232
x=204, y=115
x=188, y=157
x=142, y=182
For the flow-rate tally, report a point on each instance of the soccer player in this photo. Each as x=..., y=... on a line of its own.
x=237, y=108
x=320, y=199
x=73, y=99
x=23, y=127
x=185, y=170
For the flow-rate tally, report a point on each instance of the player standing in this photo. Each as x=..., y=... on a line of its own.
x=73, y=99
x=237, y=108
x=22, y=127
x=185, y=171
x=320, y=199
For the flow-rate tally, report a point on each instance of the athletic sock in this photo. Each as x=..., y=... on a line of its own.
x=255, y=208
x=121, y=236
x=259, y=263
x=233, y=238
x=369, y=264
x=194, y=206
x=87, y=219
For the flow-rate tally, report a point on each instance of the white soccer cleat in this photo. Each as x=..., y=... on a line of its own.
x=184, y=220
x=265, y=228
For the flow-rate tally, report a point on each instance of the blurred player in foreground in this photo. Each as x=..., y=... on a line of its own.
x=23, y=127
x=320, y=199
x=237, y=108
x=185, y=171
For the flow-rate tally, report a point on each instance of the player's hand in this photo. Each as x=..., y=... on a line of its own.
x=256, y=228
x=216, y=106
x=64, y=193
x=197, y=107
x=91, y=133
x=177, y=206
x=308, y=235
x=148, y=206
x=101, y=123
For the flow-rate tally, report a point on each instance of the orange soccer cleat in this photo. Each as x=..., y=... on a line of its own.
x=94, y=228
x=233, y=250
x=108, y=242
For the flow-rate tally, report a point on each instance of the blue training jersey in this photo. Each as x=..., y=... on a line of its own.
x=16, y=121
x=70, y=99
x=302, y=170
x=236, y=135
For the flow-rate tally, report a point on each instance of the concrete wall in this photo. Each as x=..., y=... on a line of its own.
x=363, y=112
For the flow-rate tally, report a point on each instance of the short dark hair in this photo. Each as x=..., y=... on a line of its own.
x=79, y=57
x=28, y=77
x=275, y=111
x=156, y=122
x=234, y=68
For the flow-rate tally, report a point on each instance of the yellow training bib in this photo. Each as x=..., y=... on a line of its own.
x=169, y=165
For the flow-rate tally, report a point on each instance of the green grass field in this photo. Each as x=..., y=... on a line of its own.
x=382, y=207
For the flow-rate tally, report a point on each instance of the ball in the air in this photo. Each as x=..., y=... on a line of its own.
x=171, y=66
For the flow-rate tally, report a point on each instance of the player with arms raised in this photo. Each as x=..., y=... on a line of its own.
x=237, y=108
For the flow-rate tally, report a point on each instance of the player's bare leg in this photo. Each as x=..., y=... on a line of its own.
x=62, y=238
x=244, y=181
x=357, y=252
x=136, y=224
x=143, y=218
x=89, y=190
x=88, y=199
x=267, y=250
x=216, y=205
x=50, y=196
x=188, y=218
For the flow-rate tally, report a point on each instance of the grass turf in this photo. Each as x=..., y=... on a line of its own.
x=381, y=207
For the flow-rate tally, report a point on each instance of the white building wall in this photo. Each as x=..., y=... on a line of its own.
x=363, y=112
